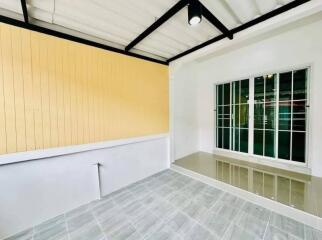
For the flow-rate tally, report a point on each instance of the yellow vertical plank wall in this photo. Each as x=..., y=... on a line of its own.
x=55, y=93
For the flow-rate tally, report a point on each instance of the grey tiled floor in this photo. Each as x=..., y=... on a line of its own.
x=169, y=206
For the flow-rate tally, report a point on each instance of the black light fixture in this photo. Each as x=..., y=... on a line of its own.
x=194, y=12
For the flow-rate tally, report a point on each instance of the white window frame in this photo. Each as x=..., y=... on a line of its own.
x=250, y=153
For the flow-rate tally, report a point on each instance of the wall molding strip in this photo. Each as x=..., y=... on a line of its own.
x=20, y=157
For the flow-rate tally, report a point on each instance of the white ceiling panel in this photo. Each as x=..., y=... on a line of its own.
x=120, y=21
x=222, y=10
x=266, y=6
x=245, y=10
x=11, y=5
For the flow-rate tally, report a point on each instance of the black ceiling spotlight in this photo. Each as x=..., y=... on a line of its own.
x=194, y=12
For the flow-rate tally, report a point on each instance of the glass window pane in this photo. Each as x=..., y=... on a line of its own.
x=270, y=87
x=226, y=138
x=258, y=116
x=284, y=138
x=244, y=140
x=219, y=110
x=219, y=94
x=219, y=137
x=227, y=111
x=226, y=122
x=285, y=86
x=227, y=94
x=236, y=92
x=220, y=122
x=270, y=143
x=285, y=115
x=236, y=116
x=244, y=116
x=269, y=116
x=236, y=145
x=244, y=91
x=299, y=116
x=258, y=142
x=299, y=84
x=259, y=89
x=298, y=146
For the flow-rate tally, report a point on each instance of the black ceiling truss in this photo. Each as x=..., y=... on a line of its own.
x=24, y=11
x=170, y=13
x=262, y=18
x=214, y=21
x=165, y=17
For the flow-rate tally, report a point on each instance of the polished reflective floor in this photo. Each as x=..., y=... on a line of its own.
x=300, y=191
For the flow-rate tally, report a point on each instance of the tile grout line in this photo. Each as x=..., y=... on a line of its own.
x=66, y=225
x=269, y=219
x=96, y=220
x=196, y=221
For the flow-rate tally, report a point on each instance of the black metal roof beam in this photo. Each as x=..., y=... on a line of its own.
x=244, y=26
x=24, y=10
x=51, y=32
x=165, y=17
x=215, y=21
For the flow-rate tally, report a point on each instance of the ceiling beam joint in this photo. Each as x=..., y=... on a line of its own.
x=215, y=21
x=165, y=17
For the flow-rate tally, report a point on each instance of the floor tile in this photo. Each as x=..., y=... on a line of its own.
x=24, y=235
x=216, y=223
x=287, y=225
x=164, y=233
x=124, y=198
x=176, y=184
x=164, y=191
x=99, y=207
x=214, y=192
x=252, y=224
x=80, y=221
x=113, y=223
x=232, y=200
x=91, y=231
x=312, y=234
x=77, y=211
x=273, y=233
x=55, y=232
x=125, y=232
x=180, y=223
x=50, y=223
x=147, y=223
x=162, y=209
x=195, y=211
x=199, y=233
x=236, y=233
x=178, y=200
x=134, y=209
x=225, y=210
x=256, y=211
x=205, y=200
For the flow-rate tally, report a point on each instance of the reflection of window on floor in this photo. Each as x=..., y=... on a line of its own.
x=273, y=186
x=279, y=112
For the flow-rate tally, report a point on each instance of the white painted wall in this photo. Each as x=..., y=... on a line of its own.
x=34, y=191
x=183, y=118
x=293, y=45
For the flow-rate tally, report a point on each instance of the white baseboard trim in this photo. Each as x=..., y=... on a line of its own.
x=298, y=215
x=60, y=151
